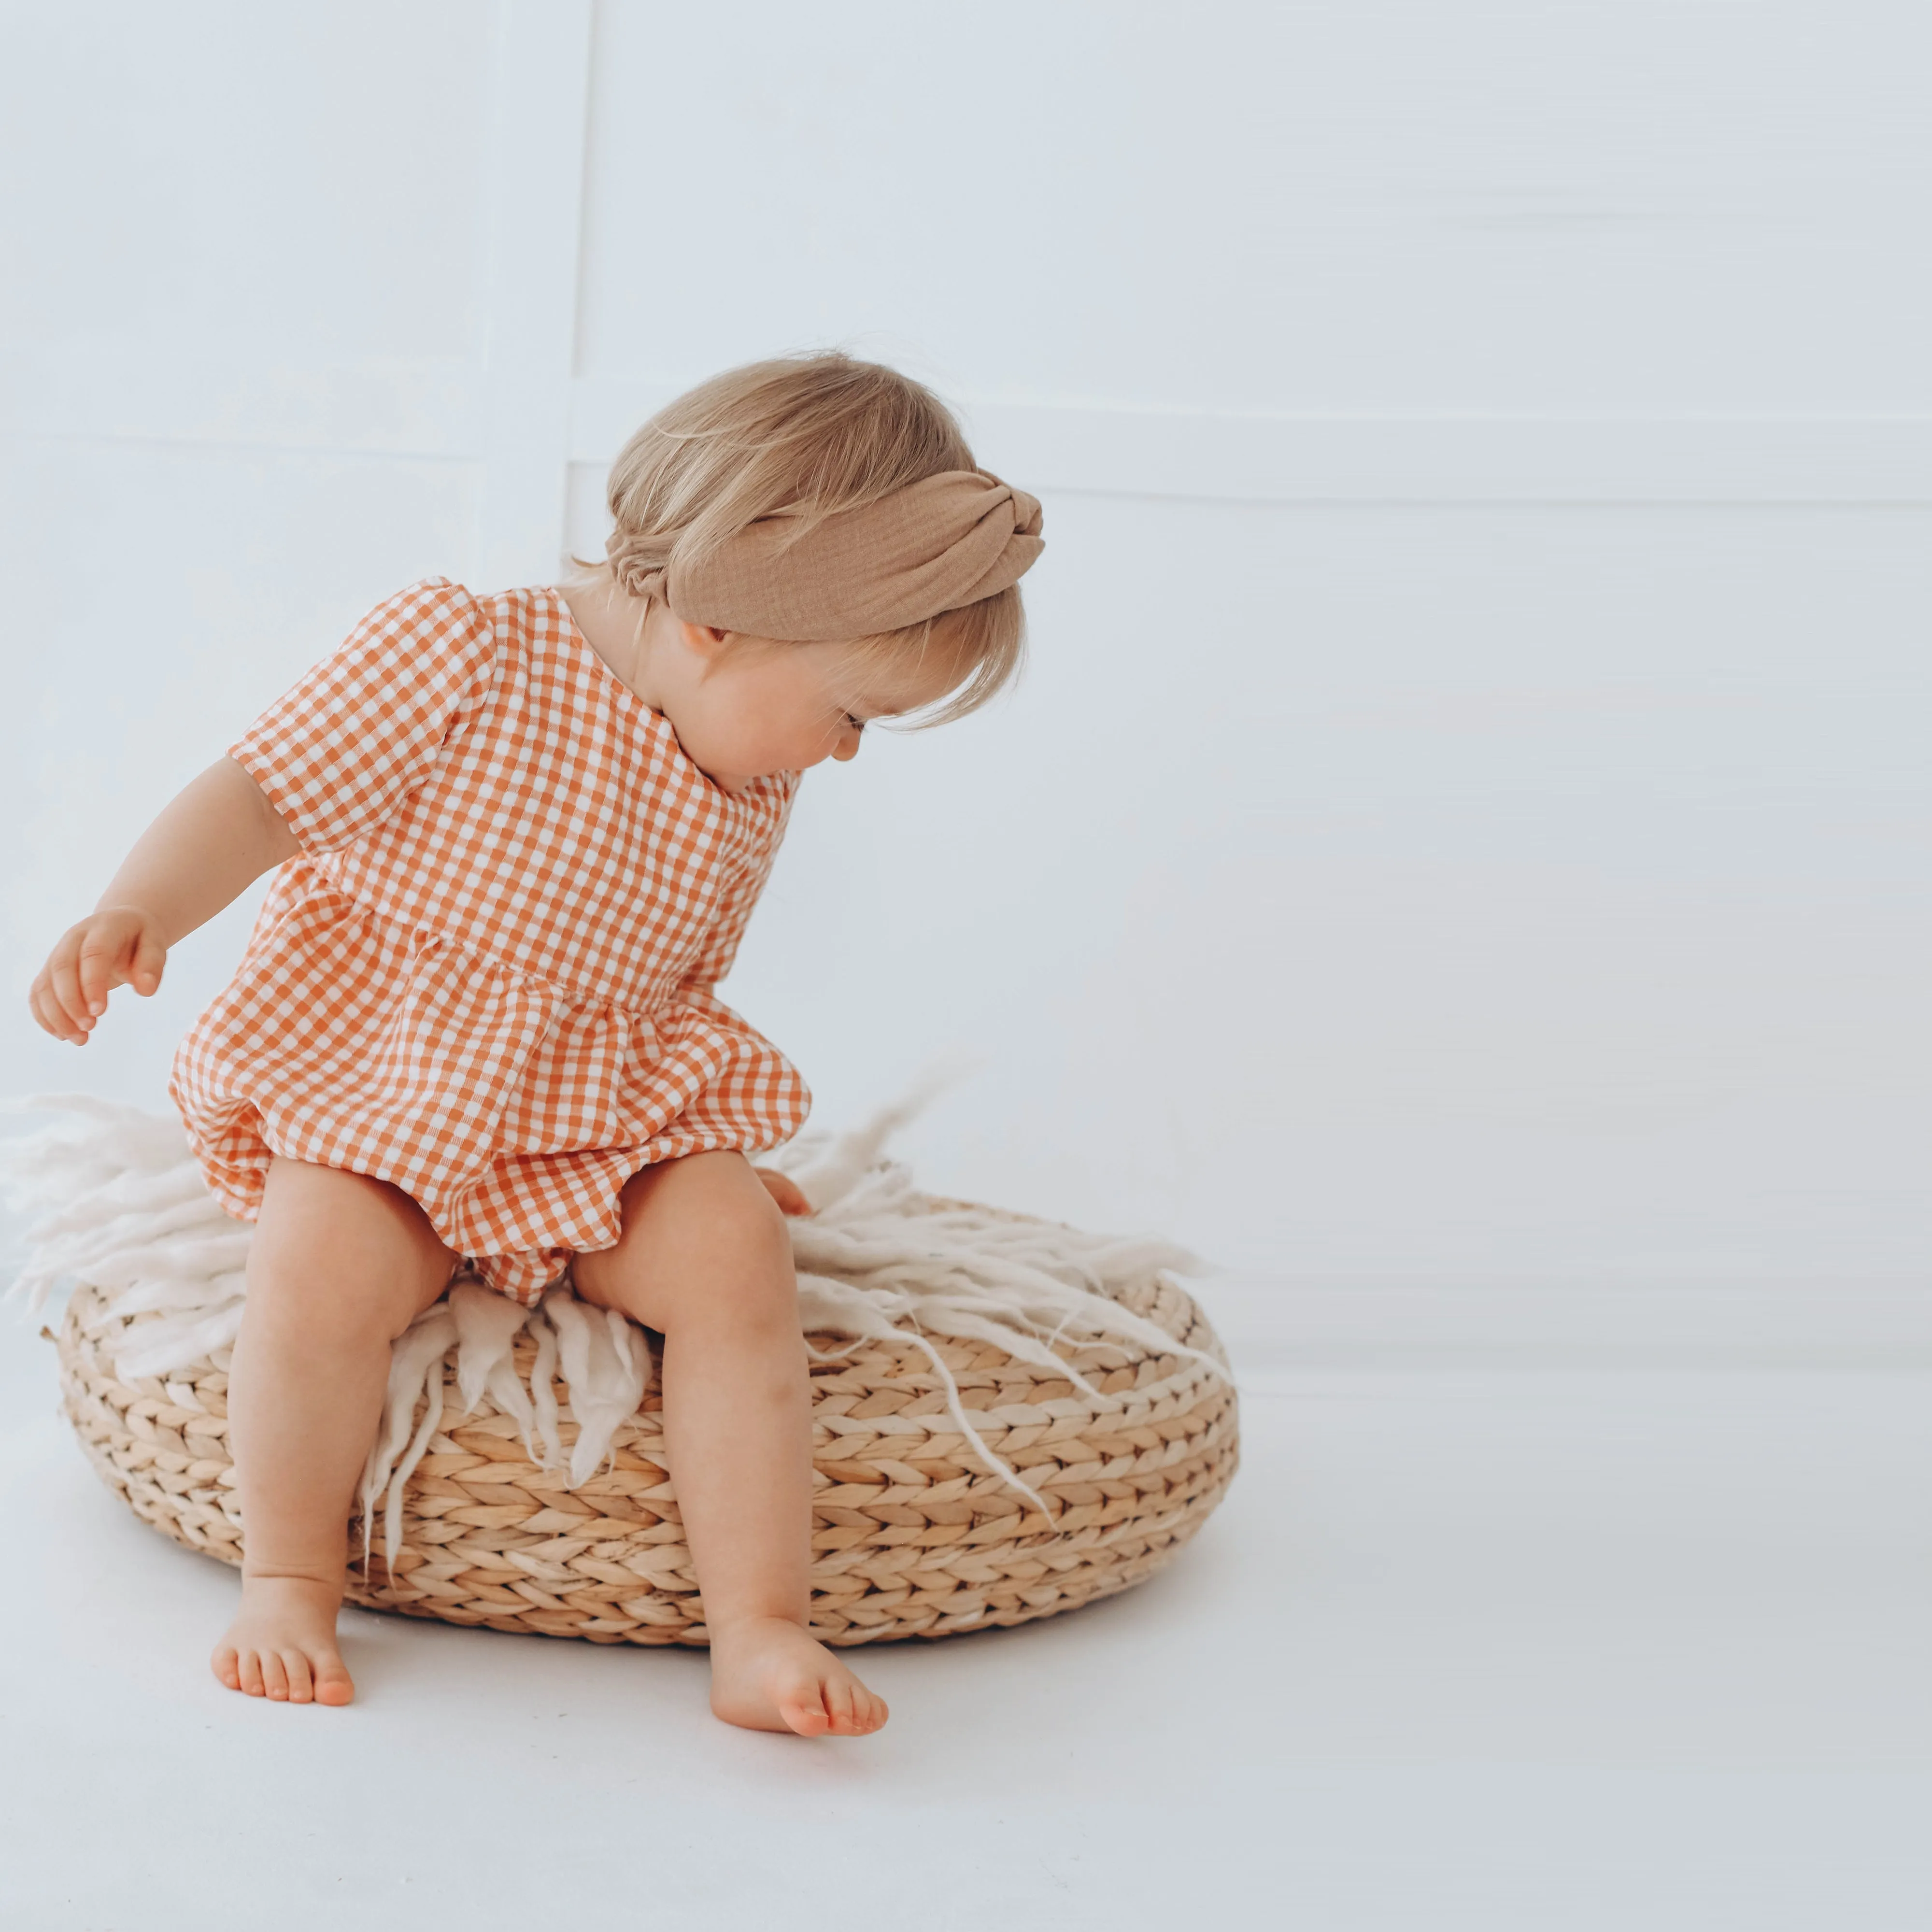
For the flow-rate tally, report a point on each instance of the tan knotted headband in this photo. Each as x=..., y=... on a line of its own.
x=934, y=546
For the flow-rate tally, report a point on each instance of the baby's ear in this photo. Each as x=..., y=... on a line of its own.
x=707, y=640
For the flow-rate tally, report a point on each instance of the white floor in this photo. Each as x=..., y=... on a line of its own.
x=1629, y=1649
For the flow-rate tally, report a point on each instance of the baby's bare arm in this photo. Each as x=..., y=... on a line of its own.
x=218, y=835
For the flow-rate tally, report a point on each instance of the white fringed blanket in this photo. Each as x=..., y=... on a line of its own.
x=121, y=1206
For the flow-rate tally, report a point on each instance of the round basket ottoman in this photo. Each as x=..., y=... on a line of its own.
x=913, y=1533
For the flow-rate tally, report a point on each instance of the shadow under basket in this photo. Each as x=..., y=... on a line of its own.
x=912, y=1534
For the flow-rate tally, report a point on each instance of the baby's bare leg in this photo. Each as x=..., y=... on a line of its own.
x=704, y=1257
x=340, y=1265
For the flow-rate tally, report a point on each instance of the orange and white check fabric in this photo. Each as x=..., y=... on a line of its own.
x=487, y=975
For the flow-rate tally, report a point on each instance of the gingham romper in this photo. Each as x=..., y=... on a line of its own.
x=487, y=977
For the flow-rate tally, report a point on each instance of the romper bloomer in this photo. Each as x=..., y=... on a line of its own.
x=487, y=976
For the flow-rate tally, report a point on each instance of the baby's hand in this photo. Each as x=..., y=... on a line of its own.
x=784, y=1190
x=120, y=946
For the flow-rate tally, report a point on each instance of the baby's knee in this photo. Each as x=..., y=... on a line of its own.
x=751, y=1227
x=339, y=1253
x=757, y=1226
x=306, y=1299
x=744, y=1273
x=330, y=1290
x=701, y=1242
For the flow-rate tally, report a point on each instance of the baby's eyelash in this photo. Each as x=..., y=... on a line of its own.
x=857, y=724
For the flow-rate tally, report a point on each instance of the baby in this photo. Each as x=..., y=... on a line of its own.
x=518, y=838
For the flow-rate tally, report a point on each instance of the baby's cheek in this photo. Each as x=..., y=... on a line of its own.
x=793, y=750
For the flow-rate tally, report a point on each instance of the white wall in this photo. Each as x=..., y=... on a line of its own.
x=1467, y=815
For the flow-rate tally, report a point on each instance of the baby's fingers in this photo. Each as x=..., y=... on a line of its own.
x=40, y=1001
x=103, y=956
x=64, y=985
x=150, y=958
x=785, y=1191
x=52, y=1015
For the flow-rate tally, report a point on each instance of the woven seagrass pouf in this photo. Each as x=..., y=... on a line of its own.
x=913, y=1534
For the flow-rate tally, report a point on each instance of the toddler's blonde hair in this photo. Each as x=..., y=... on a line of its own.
x=808, y=435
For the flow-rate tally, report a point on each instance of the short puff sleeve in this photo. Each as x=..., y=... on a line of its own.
x=341, y=749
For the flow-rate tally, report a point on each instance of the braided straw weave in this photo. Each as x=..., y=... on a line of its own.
x=912, y=1534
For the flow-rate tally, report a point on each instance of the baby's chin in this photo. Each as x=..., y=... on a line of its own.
x=729, y=774
x=731, y=781
x=713, y=769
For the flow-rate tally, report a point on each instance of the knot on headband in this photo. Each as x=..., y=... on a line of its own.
x=637, y=562
x=936, y=545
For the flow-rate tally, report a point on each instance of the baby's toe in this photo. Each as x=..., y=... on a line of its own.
x=275, y=1678
x=840, y=1708
x=333, y=1684
x=294, y=1669
x=226, y=1667
x=803, y=1707
x=248, y=1667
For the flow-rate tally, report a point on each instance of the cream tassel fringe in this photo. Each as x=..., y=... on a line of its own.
x=123, y=1207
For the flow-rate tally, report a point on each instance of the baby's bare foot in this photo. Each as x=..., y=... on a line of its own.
x=282, y=1642
x=768, y=1675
